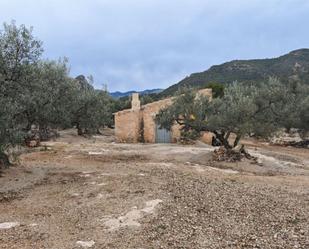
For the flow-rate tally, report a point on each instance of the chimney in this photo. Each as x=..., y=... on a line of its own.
x=136, y=104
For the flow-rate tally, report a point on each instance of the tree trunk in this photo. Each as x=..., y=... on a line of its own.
x=43, y=133
x=4, y=160
x=79, y=130
x=224, y=140
x=99, y=132
x=237, y=139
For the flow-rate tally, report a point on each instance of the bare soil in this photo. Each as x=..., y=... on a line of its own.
x=94, y=193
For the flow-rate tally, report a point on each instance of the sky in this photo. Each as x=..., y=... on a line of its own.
x=145, y=44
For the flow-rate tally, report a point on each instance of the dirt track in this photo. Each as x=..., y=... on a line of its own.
x=93, y=192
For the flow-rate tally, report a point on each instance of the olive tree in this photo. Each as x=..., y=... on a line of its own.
x=47, y=102
x=10, y=130
x=40, y=92
x=92, y=109
x=189, y=111
x=239, y=111
x=289, y=104
x=19, y=52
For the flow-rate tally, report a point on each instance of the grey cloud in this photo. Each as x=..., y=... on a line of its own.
x=138, y=44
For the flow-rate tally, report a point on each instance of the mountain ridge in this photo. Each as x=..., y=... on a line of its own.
x=119, y=94
x=291, y=66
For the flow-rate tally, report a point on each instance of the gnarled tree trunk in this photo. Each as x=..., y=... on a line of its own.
x=80, y=131
x=4, y=160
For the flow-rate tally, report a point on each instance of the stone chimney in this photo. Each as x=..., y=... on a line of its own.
x=136, y=104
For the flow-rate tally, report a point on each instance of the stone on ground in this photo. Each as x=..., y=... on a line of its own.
x=8, y=225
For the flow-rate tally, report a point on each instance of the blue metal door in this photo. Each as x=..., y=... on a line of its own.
x=163, y=135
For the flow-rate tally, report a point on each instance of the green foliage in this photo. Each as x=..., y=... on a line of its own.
x=188, y=110
x=19, y=54
x=241, y=112
x=146, y=99
x=189, y=136
x=244, y=109
x=125, y=102
x=91, y=108
x=303, y=112
x=40, y=92
x=289, y=104
x=10, y=131
x=121, y=104
x=47, y=99
x=217, y=89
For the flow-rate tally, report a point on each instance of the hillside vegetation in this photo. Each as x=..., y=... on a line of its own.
x=293, y=66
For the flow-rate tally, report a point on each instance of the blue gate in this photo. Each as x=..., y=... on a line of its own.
x=163, y=135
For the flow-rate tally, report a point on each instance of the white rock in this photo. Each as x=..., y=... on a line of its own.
x=106, y=174
x=150, y=206
x=8, y=225
x=87, y=244
x=88, y=172
x=85, y=175
x=95, y=153
x=131, y=218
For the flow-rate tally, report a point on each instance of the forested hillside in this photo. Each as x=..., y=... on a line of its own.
x=290, y=67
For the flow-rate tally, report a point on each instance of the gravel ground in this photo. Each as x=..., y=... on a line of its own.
x=94, y=193
x=206, y=213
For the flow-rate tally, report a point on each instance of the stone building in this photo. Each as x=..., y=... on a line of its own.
x=138, y=123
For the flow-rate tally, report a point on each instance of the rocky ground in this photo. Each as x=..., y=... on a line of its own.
x=95, y=193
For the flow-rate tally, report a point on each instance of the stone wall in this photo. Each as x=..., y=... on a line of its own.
x=127, y=126
x=205, y=92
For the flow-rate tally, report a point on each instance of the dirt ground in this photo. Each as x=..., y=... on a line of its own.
x=94, y=193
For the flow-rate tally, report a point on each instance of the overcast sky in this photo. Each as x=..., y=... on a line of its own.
x=143, y=44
